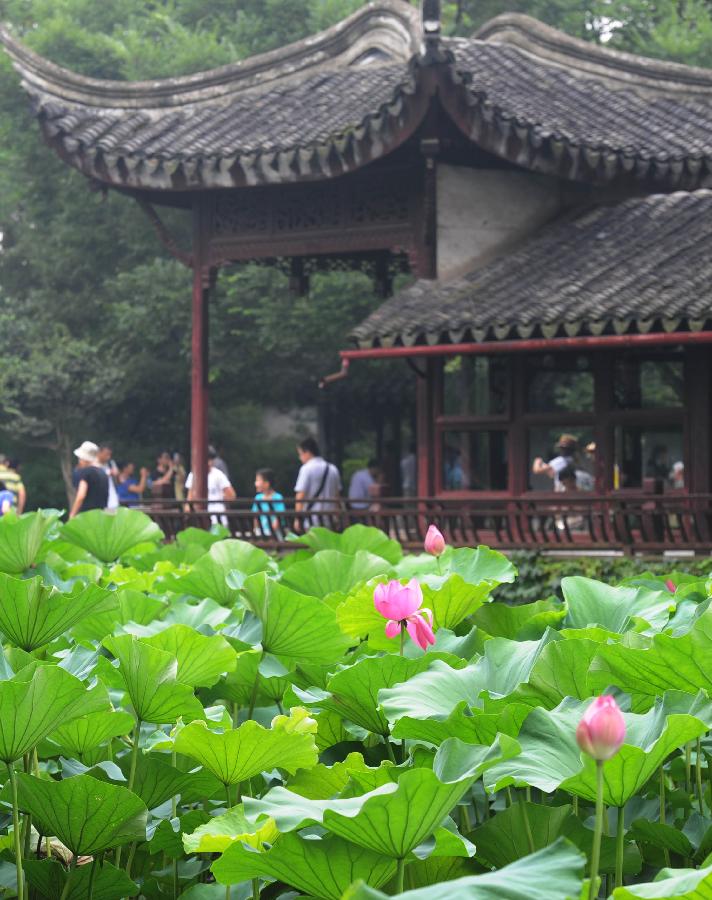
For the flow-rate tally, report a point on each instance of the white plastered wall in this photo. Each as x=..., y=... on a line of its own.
x=484, y=212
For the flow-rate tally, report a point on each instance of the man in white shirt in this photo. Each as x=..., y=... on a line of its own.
x=109, y=466
x=219, y=490
x=318, y=486
x=567, y=448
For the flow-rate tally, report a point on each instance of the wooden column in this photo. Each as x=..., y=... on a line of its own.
x=425, y=429
x=199, y=352
x=698, y=382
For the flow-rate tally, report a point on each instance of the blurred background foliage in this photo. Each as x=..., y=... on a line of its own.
x=94, y=314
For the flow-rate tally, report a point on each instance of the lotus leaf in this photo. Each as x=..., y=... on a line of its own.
x=21, y=539
x=320, y=868
x=107, y=537
x=87, y=815
x=32, y=615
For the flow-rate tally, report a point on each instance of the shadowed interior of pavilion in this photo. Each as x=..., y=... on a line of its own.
x=549, y=196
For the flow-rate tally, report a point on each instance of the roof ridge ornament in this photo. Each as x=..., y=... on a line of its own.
x=430, y=18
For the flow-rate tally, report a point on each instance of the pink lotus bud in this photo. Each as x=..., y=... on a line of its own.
x=434, y=541
x=670, y=585
x=601, y=731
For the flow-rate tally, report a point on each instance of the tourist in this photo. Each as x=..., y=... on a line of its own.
x=112, y=471
x=268, y=500
x=179, y=476
x=90, y=480
x=409, y=473
x=318, y=486
x=9, y=473
x=129, y=488
x=7, y=499
x=163, y=477
x=364, y=484
x=218, y=461
x=566, y=447
x=219, y=490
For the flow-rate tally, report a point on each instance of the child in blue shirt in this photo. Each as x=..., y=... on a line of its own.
x=7, y=499
x=267, y=500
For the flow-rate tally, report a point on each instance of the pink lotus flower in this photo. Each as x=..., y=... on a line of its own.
x=670, y=585
x=434, y=541
x=601, y=731
x=401, y=605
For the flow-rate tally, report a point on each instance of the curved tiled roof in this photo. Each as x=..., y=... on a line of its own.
x=331, y=103
x=641, y=265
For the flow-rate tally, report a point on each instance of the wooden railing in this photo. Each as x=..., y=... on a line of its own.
x=651, y=523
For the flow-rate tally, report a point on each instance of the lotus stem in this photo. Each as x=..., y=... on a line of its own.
x=509, y=796
x=465, y=824
x=16, y=834
x=389, y=751
x=129, y=861
x=575, y=805
x=68, y=882
x=688, y=767
x=229, y=798
x=253, y=696
x=525, y=822
x=255, y=889
x=132, y=772
x=235, y=715
x=597, y=834
x=402, y=638
x=698, y=776
x=92, y=877
x=666, y=852
x=174, y=813
x=400, y=875
x=620, y=845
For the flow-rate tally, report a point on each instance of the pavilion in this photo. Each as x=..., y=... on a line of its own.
x=551, y=198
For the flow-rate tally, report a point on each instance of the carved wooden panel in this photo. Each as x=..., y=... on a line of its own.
x=363, y=212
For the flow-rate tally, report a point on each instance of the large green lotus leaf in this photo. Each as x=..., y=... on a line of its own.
x=88, y=732
x=294, y=626
x=351, y=540
x=319, y=868
x=358, y=617
x=209, y=575
x=664, y=837
x=595, y=603
x=550, y=757
x=21, y=539
x=671, y=884
x=216, y=835
x=131, y=606
x=87, y=815
x=156, y=781
x=454, y=600
x=554, y=873
x=238, y=686
x=391, y=819
x=354, y=690
x=197, y=537
x=503, y=839
x=470, y=726
x=201, y=659
x=438, y=691
x=234, y=756
x=677, y=663
x=150, y=677
x=482, y=564
x=527, y=621
x=33, y=704
x=322, y=781
x=330, y=571
x=107, y=536
x=560, y=671
x=48, y=877
x=32, y=615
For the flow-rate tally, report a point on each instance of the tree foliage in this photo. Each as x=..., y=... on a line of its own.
x=94, y=314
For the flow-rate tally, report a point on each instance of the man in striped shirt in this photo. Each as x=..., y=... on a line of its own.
x=13, y=482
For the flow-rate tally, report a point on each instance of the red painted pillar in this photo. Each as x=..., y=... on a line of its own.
x=199, y=370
